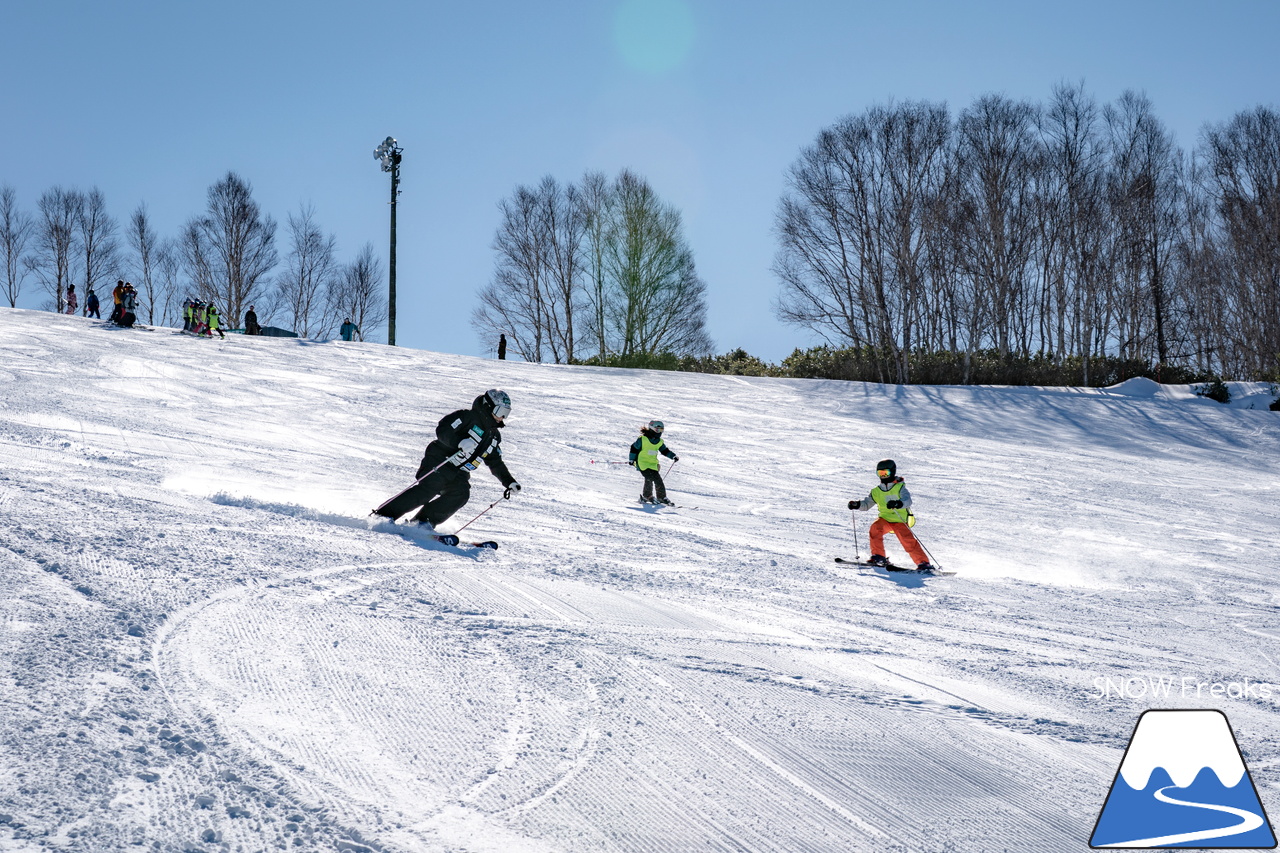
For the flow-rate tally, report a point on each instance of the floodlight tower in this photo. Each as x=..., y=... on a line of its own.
x=388, y=153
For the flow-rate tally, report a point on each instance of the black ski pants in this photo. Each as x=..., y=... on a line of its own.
x=440, y=495
x=653, y=483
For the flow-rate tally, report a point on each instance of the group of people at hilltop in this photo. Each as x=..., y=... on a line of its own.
x=124, y=297
x=201, y=318
x=468, y=437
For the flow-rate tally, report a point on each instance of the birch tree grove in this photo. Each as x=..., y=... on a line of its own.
x=1242, y=179
x=853, y=263
x=604, y=262
x=1067, y=231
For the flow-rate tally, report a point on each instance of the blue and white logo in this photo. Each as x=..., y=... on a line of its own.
x=1183, y=783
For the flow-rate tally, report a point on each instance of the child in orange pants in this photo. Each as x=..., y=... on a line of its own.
x=894, y=502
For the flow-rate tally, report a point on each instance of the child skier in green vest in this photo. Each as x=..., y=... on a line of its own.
x=644, y=456
x=894, y=502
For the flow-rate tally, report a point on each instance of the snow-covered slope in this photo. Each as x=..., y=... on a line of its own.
x=204, y=640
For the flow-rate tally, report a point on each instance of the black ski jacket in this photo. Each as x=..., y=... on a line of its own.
x=452, y=430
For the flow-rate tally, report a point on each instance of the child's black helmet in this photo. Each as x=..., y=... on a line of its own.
x=886, y=469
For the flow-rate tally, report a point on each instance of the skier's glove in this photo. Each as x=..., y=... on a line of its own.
x=893, y=504
x=855, y=504
x=675, y=459
x=466, y=447
x=631, y=462
x=511, y=491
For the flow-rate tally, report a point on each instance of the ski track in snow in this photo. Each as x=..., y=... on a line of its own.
x=204, y=640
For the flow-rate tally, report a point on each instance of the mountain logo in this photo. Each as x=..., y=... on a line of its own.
x=1183, y=783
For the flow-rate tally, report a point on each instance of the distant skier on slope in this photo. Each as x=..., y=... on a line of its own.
x=644, y=457
x=894, y=502
x=464, y=439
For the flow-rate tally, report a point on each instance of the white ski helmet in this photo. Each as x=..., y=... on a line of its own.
x=495, y=402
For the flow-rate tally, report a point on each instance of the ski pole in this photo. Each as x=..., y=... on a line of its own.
x=482, y=512
x=857, y=549
x=607, y=462
x=669, y=467
x=927, y=552
x=415, y=482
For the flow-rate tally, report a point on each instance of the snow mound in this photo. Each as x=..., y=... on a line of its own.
x=1139, y=386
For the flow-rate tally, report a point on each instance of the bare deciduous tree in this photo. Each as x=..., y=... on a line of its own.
x=16, y=228
x=660, y=303
x=55, y=243
x=145, y=244
x=1146, y=195
x=359, y=293
x=95, y=238
x=166, y=268
x=994, y=222
x=597, y=211
x=230, y=251
x=310, y=268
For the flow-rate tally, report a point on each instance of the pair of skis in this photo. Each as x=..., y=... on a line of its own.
x=454, y=542
x=890, y=567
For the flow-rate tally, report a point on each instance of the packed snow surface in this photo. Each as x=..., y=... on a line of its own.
x=206, y=644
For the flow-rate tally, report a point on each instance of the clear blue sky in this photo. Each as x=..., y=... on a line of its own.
x=710, y=100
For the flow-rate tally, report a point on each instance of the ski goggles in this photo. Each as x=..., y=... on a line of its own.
x=884, y=473
x=501, y=410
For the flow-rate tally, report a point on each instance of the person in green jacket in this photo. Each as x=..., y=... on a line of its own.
x=644, y=456
x=893, y=501
x=214, y=318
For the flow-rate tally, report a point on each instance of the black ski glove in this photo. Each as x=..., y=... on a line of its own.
x=511, y=491
x=893, y=504
x=631, y=462
x=855, y=504
x=675, y=459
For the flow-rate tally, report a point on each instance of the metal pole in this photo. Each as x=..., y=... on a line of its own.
x=857, y=548
x=391, y=267
x=482, y=512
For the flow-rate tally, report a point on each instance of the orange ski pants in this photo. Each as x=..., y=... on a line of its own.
x=880, y=527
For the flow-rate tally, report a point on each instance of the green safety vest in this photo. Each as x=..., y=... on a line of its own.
x=899, y=516
x=647, y=458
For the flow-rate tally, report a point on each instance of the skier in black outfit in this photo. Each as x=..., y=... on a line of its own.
x=464, y=439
